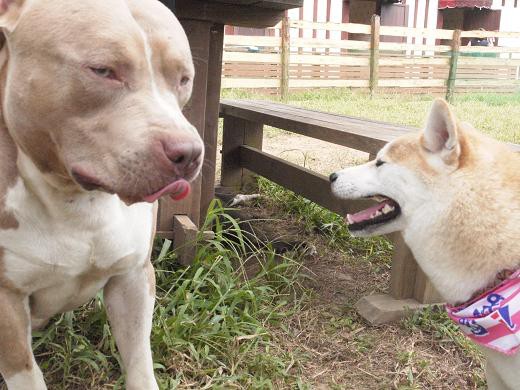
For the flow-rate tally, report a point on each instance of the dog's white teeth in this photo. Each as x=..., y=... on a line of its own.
x=350, y=221
x=377, y=214
x=387, y=209
x=379, y=198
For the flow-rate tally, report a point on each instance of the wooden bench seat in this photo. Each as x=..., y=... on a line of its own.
x=242, y=157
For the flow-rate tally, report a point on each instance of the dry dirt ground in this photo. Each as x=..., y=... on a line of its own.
x=341, y=350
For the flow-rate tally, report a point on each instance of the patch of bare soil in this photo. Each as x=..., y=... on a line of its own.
x=319, y=156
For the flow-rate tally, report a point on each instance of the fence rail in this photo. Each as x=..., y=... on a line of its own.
x=372, y=57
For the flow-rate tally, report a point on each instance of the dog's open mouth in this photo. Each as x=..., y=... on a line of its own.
x=384, y=211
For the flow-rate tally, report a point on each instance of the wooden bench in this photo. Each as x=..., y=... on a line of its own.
x=242, y=157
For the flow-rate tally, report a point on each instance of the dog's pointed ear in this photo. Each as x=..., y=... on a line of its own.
x=441, y=132
x=10, y=12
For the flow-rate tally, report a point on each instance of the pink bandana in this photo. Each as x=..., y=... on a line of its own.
x=493, y=318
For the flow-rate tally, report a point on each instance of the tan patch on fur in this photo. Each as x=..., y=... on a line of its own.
x=408, y=151
x=15, y=353
x=8, y=169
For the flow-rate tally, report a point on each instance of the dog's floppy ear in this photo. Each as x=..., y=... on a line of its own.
x=441, y=135
x=10, y=12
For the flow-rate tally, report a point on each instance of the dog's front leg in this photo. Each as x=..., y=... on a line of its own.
x=129, y=299
x=17, y=364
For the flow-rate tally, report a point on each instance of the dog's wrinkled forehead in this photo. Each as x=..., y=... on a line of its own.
x=110, y=24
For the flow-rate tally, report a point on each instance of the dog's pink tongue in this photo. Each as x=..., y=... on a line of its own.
x=178, y=190
x=366, y=214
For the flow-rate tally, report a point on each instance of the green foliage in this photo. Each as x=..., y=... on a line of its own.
x=435, y=321
x=315, y=218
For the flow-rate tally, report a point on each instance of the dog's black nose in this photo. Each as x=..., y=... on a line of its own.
x=333, y=177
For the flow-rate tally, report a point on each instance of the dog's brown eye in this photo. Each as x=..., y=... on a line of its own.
x=379, y=163
x=105, y=73
x=185, y=80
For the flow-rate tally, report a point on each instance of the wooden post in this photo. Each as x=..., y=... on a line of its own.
x=238, y=132
x=408, y=280
x=211, y=117
x=285, y=58
x=184, y=238
x=374, y=54
x=455, y=51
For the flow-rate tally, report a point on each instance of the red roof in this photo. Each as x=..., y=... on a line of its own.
x=465, y=4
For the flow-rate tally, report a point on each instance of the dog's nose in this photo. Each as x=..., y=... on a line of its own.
x=333, y=177
x=185, y=155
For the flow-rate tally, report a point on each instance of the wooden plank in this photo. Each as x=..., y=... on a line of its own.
x=246, y=15
x=412, y=83
x=493, y=49
x=327, y=83
x=485, y=83
x=277, y=4
x=412, y=61
x=301, y=180
x=374, y=53
x=231, y=56
x=244, y=40
x=250, y=83
x=416, y=32
x=476, y=61
x=410, y=47
x=313, y=59
x=489, y=34
x=345, y=27
x=329, y=44
x=364, y=135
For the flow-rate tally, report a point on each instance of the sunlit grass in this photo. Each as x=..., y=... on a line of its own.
x=495, y=114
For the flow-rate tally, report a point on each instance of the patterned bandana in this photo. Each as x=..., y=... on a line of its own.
x=493, y=318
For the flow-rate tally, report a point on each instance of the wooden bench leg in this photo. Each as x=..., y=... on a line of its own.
x=410, y=289
x=238, y=132
x=184, y=238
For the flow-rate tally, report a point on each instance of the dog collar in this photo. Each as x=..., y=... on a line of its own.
x=492, y=319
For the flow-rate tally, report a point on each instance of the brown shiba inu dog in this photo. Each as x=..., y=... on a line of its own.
x=454, y=194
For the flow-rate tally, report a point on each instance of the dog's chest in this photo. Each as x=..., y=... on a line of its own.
x=74, y=242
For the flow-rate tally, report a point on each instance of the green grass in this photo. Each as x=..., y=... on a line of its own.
x=211, y=322
x=317, y=219
x=494, y=114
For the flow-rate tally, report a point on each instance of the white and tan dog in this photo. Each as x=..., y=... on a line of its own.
x=91, y=135
x=455, y=196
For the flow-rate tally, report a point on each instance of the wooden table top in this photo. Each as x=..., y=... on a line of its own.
x=275, y=4
x=247, y=13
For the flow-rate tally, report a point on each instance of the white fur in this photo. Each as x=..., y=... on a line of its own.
x=93, y=229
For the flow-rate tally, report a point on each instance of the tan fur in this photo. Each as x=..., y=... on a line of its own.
x=14, y=322
x=8, y=156
x=459, y=196
x=480, y=193
x=409, y=152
